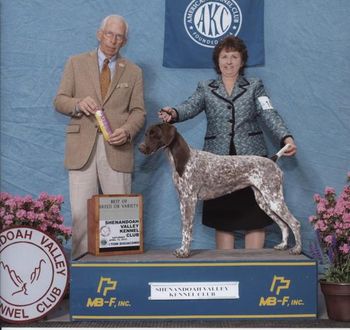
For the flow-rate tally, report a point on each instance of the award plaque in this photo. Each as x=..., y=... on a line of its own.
x=115, y=224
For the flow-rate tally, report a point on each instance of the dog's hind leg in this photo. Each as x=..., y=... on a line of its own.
x=284, y=213
x=277, y=209
x=187, y=209
x=266, y=207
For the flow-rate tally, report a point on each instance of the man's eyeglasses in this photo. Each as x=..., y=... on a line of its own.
x=112, y=36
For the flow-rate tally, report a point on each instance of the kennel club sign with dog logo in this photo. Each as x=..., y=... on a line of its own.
x=33, y=274
x=115, y=224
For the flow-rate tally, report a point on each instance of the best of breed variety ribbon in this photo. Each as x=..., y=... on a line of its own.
x=103, y=124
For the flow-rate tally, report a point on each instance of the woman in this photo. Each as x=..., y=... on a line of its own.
x=233, y=104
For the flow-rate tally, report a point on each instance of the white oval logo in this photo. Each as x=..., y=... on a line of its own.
x=206, y=22
x=33, y=274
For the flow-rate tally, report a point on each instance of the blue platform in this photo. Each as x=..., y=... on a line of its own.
x=239, y=284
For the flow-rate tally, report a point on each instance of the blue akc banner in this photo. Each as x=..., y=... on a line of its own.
x=194, y=27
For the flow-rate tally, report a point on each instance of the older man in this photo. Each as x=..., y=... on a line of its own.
x=100, y=79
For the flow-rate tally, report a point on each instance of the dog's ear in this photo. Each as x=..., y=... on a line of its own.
x=169, y=132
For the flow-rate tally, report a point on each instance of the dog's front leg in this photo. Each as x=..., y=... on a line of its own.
x=187, y=208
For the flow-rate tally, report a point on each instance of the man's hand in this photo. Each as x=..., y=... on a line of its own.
x=87, y=106
x=119, y=137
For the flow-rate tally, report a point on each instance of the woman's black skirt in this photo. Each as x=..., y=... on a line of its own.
x=235, y=211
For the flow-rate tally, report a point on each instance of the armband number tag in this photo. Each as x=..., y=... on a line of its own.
x=265, y=103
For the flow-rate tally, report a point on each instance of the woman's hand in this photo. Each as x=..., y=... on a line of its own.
x=167, y=114
x=292, y=150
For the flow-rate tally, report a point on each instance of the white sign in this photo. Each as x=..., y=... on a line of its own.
x=193, y=290
x=33, y=274
x=121, y=228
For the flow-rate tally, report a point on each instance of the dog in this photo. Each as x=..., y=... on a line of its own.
x=201, y=175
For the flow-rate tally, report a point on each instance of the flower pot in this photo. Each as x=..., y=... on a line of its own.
x=337, y=298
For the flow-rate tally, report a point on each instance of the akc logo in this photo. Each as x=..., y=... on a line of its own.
x=33, y=274
x=206, y=22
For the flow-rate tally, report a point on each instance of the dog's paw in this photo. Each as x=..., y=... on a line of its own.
x=281, y=246
x=182, y=253
x=295, y=250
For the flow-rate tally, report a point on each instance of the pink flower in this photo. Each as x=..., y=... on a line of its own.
x=8, y=218
x=345, y=248
x=68, y=231
x=339, y=232
x=43, y=196
x=339, y=207
x=59, y=199
x=329, y=190
x=346, y=217
x=327, y=214
x=41, y=216
x=43, y=227
x=21, y=214
x=312, y=218
x=27, y=199
x=31, y=216
x=320, y=224
x=11, y=203
x=4, y=196
x=60, y=219
x=321, y=206
x=328, y=239
x=38, y=205
x=55, y=209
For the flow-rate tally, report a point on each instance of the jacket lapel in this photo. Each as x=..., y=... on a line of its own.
x=218, y=89
x=240, y=88
x=95, y=73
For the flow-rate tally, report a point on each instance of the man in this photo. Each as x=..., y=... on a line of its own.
x=100, y=79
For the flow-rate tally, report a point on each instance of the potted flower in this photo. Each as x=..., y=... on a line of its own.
x=43, y=213
x=332, y=225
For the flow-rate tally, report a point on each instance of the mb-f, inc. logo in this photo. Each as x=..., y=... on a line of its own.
x=105, y=287
x=206, y=22
x=33, y=274
x=278, y=297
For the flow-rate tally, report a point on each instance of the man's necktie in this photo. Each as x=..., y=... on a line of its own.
x=105, y=78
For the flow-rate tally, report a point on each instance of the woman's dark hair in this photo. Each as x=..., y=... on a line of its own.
x=230, y=43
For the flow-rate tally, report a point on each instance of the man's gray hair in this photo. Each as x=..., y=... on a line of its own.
x=115, y=17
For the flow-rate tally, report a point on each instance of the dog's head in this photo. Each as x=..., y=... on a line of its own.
x=156, y=137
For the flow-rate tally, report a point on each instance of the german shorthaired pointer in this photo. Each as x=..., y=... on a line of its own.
x=200, y=175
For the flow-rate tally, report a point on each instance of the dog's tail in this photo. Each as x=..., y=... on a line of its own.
x=280, y=153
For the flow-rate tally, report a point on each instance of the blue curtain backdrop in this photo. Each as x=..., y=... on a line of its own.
x=306, y=72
